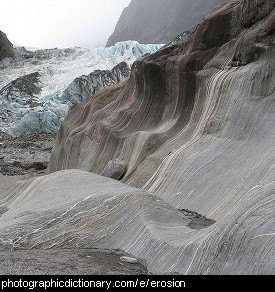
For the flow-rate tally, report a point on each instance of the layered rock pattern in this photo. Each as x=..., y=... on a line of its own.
x=97, y=213
x=159, y=21
x=193, y=126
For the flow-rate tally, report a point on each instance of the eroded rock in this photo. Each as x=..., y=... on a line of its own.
x=114, y=169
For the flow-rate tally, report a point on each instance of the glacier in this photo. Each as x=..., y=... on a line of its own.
x=37, y=87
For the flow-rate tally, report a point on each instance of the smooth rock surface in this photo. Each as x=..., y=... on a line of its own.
x=76, y=209
x=73, y=209
x=195, y=125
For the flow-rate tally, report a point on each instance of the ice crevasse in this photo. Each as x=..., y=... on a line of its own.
x=39, y=87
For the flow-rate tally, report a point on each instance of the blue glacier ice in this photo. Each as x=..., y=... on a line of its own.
x=37, y=88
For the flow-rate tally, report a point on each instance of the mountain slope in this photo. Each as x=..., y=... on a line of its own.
x=6, y=47
x=159, y=21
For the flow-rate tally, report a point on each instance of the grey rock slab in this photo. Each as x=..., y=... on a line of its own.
x=194, y=124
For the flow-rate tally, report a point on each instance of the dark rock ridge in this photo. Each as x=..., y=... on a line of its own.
x=193, y=126
x=6, y=47
x=19, y=99
x=159, y=21
x=182, y=37
x=86, y=86
x=25, y=85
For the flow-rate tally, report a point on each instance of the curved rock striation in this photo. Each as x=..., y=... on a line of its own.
x=211, y=91
x=73, y=209
x=194, y=125
x=194, y=128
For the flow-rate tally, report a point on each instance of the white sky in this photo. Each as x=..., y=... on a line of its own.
x=60, y=23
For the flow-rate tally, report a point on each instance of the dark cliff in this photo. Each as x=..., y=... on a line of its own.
x=6, y=47
x=85, y=86
x=159, y=21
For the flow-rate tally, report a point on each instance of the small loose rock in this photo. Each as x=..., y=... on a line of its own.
x=129, y=260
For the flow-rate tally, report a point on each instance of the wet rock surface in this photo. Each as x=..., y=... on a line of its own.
x=198, y=221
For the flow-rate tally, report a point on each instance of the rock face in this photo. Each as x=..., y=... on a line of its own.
x=86, y=86
x=194, y=127
x=159, y=21
x=6, y=47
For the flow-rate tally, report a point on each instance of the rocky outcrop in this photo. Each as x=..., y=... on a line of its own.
x=114, y=169
x=86, y=86
x=27, y=85
x=193, y=126
x=168, y=93
x=6, y=47
x=159, y=21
